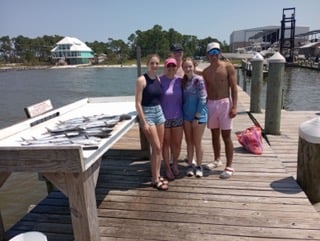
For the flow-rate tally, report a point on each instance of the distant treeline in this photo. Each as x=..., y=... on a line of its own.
x=36, y=51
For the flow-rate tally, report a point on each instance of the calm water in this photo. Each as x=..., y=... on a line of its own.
x=301, y=89
x=19, y=89
x=62, y=86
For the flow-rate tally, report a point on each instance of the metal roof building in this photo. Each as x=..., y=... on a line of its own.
x=268, y=35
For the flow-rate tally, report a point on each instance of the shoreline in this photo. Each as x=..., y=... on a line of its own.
x=17, y=68
x=13, y=67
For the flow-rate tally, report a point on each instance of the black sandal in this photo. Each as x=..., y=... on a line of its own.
x=161, y=186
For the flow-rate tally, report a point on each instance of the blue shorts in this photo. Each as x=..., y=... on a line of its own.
x=153, y=115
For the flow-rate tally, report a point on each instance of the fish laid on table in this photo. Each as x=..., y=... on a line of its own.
x=86, y=131
x=81, y=140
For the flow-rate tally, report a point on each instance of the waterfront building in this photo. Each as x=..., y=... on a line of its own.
x=71, y=51
x=310, y=49
x=261, y=38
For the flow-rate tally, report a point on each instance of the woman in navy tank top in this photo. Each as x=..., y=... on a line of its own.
x=151, y=118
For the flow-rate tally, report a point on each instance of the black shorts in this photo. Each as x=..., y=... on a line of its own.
x=173, y=123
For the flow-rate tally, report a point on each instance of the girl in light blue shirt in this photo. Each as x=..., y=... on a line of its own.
x=195, y=114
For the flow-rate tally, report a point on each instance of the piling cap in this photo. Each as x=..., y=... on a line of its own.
x=257, y=57
x=277, y=58
x=310, y=130
x=30, y=236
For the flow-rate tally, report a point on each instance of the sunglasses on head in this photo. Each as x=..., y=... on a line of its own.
x=214, y=51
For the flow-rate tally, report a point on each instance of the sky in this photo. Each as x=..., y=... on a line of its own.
x=99, y=20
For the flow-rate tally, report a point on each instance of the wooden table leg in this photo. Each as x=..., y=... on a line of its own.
x=145, y=145
x=3, y=177
x=80, y=189
x=83, y=207
x=2, y=231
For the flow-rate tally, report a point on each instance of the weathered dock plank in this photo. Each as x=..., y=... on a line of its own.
x=262, y=201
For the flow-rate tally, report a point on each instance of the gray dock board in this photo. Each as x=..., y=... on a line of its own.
x=262, y=201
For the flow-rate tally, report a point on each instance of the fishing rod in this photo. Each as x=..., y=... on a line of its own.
x=256, y=123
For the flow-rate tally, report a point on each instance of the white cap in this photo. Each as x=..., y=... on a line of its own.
x=257, y=57
x=310, y=130
x=276, y=58
x=213, y=45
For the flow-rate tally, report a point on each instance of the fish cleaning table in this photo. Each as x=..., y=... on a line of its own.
x=72, y=168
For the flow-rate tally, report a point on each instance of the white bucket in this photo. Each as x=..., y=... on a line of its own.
x=30, y=236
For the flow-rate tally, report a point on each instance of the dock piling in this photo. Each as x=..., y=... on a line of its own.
x=308, y=167
x=274, y=94
x=256, y=83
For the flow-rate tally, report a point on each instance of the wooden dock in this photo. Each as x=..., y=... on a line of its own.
x=262, y=201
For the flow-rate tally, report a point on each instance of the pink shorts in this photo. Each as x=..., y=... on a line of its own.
x=218, y=114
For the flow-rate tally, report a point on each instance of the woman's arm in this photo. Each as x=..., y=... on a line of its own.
x=140, y=85
x=202, y=95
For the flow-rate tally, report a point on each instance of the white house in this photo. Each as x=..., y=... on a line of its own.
x=72, y=51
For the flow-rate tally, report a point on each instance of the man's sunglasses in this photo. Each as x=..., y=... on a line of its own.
x=214, y=51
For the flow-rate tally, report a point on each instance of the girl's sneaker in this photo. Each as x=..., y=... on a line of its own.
x=190, y=171
x=199, y=172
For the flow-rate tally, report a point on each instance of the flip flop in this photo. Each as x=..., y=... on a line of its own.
x=214, y=164
x=227, y=173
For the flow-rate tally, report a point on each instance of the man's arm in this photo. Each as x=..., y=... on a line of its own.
x=232, y=79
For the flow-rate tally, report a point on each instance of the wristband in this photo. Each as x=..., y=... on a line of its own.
x=196, y=118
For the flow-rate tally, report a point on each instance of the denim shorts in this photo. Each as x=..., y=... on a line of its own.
x=153, y=115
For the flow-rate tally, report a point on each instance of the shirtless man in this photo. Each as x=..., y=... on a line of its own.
x=221, y=83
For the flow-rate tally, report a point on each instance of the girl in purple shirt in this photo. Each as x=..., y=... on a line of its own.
x=171, y=103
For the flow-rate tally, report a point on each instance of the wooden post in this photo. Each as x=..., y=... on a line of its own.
x=3, y=177
x=2, y=232
x=139, y=61
x=238, y=76
x=79, y=187
x=145, y=146
x=256, y=83
x=308, y=168
x=244, y=74
x=274, y=94
x=244, y=84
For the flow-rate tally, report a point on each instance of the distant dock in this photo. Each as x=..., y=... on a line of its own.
x=246, y=66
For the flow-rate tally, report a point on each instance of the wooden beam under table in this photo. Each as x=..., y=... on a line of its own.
x=3, y=177
x=80, y=189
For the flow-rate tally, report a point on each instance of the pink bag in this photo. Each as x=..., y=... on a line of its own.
x=251, y=139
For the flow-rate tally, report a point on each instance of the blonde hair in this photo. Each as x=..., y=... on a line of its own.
x=185, y=77
x=150, y=56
